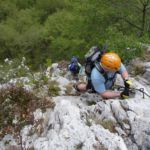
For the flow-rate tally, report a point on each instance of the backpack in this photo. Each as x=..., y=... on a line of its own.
x=92, y=57
x=74, y=65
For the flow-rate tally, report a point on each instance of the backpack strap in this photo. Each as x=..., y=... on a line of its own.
x=101, y=70
x=90, y=85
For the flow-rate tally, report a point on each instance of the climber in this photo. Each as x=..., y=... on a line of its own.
x=103, y=76
x=74, y=67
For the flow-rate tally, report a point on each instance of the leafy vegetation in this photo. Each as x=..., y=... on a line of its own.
x=18, y=102
x=46, y=29
x=13, y=69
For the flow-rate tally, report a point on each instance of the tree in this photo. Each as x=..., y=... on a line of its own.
x=133, y=12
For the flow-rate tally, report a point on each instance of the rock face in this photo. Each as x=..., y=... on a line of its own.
x=87, y=122
x=146, y=75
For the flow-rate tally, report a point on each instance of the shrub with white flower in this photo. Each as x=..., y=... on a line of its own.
x=13, y=69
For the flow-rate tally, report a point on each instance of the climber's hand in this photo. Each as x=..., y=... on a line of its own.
x=127, y=83
x=125, y=93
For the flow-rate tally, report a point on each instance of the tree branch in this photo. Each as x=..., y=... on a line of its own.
x=138, y=8
x=148, y=7
x=142, y=2
x=147, y=2
x=130, y=23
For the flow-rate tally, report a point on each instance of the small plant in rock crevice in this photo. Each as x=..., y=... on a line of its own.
x=108, y=124
x=53, y=88
x=79, y=146
x=139, y=70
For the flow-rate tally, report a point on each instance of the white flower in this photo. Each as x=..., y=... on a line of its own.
x=23, y=58
x=10, y=62
x=26, y=67
x=22, y=63
x=19, y=67
x=15, y=120
x=6, y=60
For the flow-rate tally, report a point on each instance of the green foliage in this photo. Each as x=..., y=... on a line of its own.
x=63, y=35
x=133, y=16
x=24, y=4
x=128, y=47
x=48, y=62
x=7, y=9
x=53, y=88
x=13, y=69
x=50, y=5
x=38, y=79
x=54, y=29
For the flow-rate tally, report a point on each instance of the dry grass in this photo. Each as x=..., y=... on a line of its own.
x=53, y=88
x=12, y=147
x=110, y=125
x=139, y=69
x=107, y=124
x=69, y=89
x=146, y=56
x=18, y=104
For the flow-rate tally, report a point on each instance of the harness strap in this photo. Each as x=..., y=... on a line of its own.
x=90, y=85
x=105, y=74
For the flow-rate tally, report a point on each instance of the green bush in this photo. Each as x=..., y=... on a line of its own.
x=53, y=88
x=128, y=47
x=13, y=69
x=54, y=29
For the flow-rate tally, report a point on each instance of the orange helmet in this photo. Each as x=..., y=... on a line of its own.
x=111, y=61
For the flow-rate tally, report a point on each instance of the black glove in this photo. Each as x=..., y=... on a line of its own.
x=127, y=83
x=125, y=93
